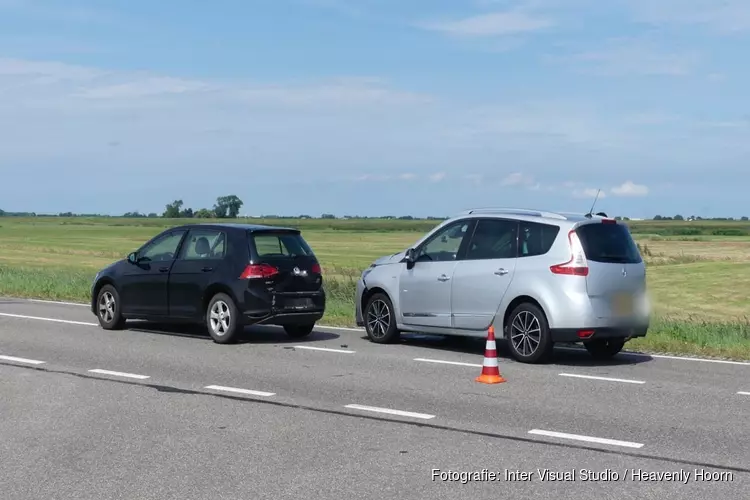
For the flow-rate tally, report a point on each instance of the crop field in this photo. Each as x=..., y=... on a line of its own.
x=698, y=272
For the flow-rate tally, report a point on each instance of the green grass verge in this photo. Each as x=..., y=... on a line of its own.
x=668, y=335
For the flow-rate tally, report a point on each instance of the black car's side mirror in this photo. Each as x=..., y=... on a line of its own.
x=133, y=258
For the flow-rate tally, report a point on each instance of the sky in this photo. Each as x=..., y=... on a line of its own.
x=375, y=107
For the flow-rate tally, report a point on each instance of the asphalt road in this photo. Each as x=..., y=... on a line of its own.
x=162, y=412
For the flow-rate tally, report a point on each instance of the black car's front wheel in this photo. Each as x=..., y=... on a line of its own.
x=108, y=309
x=223, y=319
x=380, y=320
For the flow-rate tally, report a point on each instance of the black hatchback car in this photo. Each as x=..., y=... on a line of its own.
x=224, y=275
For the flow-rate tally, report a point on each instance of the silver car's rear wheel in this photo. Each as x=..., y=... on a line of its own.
x=528, y=334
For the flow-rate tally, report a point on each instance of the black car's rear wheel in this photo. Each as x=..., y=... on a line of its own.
x=299, y=331
x=604, y=348
x=223, y=319
x=108, y=309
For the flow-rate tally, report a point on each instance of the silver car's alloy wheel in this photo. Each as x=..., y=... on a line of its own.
x=525, y=333
x=220, y=318
x=378, y=319
x=107, y=307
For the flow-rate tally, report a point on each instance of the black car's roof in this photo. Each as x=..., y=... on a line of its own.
x=246, y=227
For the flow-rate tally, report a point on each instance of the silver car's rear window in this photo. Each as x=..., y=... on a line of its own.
x=608, y=243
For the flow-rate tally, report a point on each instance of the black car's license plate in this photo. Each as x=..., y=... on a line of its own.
x=298, y=304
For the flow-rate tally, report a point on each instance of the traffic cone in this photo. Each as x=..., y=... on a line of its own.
x=490, y=371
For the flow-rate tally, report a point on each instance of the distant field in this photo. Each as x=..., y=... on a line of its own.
x=698, y=272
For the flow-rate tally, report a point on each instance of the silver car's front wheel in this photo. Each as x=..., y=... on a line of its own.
x=380, y=321
x=528, y=334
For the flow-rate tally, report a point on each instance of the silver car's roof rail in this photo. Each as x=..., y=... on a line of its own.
x=515, y=211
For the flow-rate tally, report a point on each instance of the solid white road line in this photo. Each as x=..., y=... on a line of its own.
x=399, y=413
x=343, y=328
x=40, y=301
x=119, y=374
x=589, y=439
x=457, y=363
x=53, y=320
x=21, y=360
x=326, y=349
x=591, y=377
x=664, y=356
x=744, y=393
x=239, y=391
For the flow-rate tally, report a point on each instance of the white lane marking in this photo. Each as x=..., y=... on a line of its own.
x=326, y=349
x=389, y=411
x=457, y=363
x=22, y=360
x=589, y=439
x=342, y=328
x=53, y=320
x=239, y=391
x=608, y=379
x=119, y=374
x=40, y=301
x=664, y=356
x=744, y=393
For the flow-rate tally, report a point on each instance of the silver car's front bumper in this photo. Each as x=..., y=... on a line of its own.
x=358, y=316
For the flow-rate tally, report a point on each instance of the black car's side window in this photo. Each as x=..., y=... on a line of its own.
x=162, y=248
x=204, y=244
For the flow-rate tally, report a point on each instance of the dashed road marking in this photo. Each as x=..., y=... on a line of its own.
x=21, y=360
x=389, y=411
x=441, y=361
x=119, y=374
x=607, y=379
x=589, y=439
x=744, y=393
x=237, y=390
x=325, y=349
x=53, y=320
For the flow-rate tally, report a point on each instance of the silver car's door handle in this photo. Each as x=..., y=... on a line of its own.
x=501, y=272
x=443, y=277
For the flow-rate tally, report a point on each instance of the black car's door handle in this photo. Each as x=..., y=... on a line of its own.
x=163, y=269
x=207, y=269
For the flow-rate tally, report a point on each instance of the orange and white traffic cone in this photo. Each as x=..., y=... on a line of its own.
x=490, y=371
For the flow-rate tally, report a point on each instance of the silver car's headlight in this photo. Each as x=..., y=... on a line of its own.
x=368, y=271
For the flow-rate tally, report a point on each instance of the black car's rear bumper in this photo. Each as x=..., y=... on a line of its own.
x=271, y=308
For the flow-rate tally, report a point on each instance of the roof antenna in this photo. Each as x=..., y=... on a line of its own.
x=599, y=214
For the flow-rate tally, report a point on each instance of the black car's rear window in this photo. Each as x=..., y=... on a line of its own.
x=280, y=244
x=609, y=243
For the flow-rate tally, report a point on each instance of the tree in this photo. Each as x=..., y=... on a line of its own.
x=173, y=210
x=187, y=213
x=678, y=217
x=227, y=207
x=203, y=213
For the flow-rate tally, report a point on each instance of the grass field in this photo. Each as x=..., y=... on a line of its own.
x=698, y=272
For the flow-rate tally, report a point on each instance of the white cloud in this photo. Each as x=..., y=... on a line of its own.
x=628, y=188
x=723, y=16
x=589, y=193
x=407, y=177
x=437, y=177
x=621, y=57
x=491, y=24
x=518, y=179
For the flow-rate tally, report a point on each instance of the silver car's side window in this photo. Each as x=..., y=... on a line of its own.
x=445, y=244
x=493, y=239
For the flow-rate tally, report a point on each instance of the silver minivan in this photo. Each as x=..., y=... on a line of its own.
x=539, y=277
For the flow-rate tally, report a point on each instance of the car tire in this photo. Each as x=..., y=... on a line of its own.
x=528, y=334
x=604, y=348
x=380, y=320
x=299, y=331
x=223, y=319
x=108, y=309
